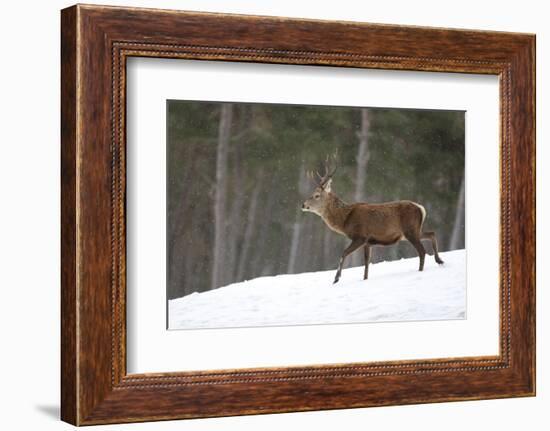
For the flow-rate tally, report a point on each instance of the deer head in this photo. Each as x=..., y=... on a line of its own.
x=318, y=200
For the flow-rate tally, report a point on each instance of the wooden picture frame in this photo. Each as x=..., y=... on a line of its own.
x=95, y=43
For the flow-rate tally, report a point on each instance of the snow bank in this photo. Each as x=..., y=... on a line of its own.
x=395, y=291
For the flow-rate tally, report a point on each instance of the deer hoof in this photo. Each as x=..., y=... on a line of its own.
x=440, y=262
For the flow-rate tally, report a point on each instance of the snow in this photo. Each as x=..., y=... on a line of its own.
x=395, y=291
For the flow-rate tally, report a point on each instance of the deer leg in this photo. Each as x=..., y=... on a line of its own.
x=367, y=260
x=417, y=244
x=355, y=244
x=431, y=237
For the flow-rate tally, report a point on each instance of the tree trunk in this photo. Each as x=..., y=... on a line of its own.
x=295, y=240
x=257, y=265
x=235, y=225
x=249, y=231
x=177, y=261
x=328, y=246
x=457, y=236
x=363, y=155
x=297, y=226
x=305, y=249
x=224, y=133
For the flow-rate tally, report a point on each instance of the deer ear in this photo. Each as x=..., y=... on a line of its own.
x=327, y=186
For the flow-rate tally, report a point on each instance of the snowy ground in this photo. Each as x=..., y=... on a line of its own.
x=395, y=291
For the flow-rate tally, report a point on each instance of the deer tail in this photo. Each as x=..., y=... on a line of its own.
x=422, y=213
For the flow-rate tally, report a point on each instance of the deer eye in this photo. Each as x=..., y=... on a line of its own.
x=317, y=196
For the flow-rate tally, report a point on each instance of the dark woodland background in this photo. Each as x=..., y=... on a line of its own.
x=237, y=179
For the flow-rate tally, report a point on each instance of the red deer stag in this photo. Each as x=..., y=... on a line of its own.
x=369, y=224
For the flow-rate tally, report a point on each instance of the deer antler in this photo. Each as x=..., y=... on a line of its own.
x=328, y=173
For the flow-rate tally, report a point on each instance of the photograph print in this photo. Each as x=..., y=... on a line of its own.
x=281, y=214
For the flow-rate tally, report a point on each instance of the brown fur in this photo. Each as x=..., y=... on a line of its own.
x=371, y=224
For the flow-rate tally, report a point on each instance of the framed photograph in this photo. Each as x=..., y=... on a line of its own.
x=264, y=215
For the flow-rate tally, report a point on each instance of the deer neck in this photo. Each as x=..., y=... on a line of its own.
x=335, y=213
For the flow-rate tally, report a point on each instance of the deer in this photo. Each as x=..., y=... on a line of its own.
x=369, y=224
